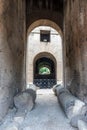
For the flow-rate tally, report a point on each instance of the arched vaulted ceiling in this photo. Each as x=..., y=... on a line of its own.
x=44, y=9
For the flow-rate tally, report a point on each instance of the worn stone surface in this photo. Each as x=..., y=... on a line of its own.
x=19, y=119
x=75, y=41
x=12, y=39
x=82, y=116
x=61, y=89
x=47, y=115
x=32, y=93
x=70, y=104
x=55, y=87
x=31, y=86
x=6, y=63
x=82, y=125
x=11, y=126
x=11, y=52
x=24, y=101
x=75, y=119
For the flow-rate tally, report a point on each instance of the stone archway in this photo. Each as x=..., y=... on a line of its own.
x=44, y=67
x=44, y=22
x=35, y=46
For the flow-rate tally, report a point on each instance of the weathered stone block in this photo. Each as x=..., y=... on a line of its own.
x=70, y=104
x=82, y=125
x=25, y=100
x=75, y=119
x=60, y=90
x=32, y=93
x=82, y=116
x=55, y=88
x=31, y=86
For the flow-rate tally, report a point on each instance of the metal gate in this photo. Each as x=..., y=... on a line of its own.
x=45, y=83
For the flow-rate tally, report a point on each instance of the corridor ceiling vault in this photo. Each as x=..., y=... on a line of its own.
x=44, y=9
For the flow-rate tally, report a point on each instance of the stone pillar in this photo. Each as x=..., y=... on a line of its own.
x=6, y=62
x=82, y=25
x=75, y=38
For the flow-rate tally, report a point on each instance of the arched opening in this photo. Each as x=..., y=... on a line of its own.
x=44, y=37
x=44, y=22
x=44, y=70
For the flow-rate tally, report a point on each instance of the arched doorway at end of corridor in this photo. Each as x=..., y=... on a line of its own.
x=35, y=46
x=44, y=72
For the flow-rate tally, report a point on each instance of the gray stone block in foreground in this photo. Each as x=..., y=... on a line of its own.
x=25, y=100
x=82, y=116
x=71, y=105
x=56, y=88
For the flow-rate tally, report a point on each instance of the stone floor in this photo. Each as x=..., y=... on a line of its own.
x=47, y=115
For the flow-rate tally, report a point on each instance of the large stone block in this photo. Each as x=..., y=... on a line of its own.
x=32, y=93
x=75, y=119
x=60, y=90
x=31, y=86
x=82, y=116
x=71, y=105
x=55, y=87
x=25, y=100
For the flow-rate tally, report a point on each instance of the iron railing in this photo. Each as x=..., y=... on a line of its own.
x=45, y=83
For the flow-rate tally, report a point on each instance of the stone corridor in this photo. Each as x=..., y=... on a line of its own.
x=47, y=115
x=18, y=18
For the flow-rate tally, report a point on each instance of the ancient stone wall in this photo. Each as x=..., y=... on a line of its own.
x=75, y=37
x=11, y=51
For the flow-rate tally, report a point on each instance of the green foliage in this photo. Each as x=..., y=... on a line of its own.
x=44, y=70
